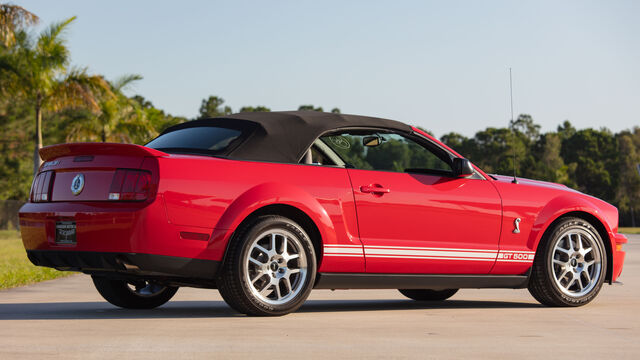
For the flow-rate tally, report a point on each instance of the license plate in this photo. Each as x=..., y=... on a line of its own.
x=66, y=232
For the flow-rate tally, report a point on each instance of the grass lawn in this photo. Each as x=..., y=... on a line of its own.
x=629, y=230
x=15, y=268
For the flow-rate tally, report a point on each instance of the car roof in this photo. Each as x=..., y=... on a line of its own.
x=284, y=136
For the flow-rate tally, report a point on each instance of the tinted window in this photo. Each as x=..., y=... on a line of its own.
x=393, y=152
x=201, y=139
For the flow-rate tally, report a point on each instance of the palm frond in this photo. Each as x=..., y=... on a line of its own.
x=124, y=81
x=81, y=127
x=78, y=89
x=14, y=18
x=54, y=58
x=15, y=75
x=50, y=40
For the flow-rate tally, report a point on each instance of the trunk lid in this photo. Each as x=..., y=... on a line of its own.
x=95, y=172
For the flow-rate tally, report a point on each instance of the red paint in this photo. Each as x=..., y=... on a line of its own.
x=369, y=221
x=430, y=212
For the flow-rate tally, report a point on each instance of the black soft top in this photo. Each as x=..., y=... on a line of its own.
x=285, y=136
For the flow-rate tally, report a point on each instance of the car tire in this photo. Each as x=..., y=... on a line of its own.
x=428, y=294
x=133, y=295
x=269, y=269
x=570, y=265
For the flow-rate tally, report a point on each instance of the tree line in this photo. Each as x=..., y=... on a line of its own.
x=597, y=162
x=44, y=100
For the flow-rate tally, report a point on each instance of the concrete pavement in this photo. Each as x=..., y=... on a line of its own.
x=67, y=318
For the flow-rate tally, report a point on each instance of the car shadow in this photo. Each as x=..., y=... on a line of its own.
x=218, y=309
x=380, y=305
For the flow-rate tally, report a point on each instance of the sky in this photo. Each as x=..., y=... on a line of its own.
x=441, y=65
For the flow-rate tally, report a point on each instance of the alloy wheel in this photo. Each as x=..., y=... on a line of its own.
x=276, y=267
x=576, y=262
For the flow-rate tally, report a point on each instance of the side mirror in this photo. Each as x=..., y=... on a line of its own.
x=462, y=167
x=371, y=141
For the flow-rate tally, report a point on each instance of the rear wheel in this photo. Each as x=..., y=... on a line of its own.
x=570, y=266
x=428, y=294
x=269, y=268
x=133, y=294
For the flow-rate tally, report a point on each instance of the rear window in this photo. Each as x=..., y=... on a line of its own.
x=206, y=140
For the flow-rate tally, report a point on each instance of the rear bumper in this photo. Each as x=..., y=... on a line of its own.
x=104, y=227
x=125, y=264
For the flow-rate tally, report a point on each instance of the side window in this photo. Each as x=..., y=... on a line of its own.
x=319, y=158
x=375, y=150
x=321, y=154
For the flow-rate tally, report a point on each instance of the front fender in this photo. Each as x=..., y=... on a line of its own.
x=565, y=204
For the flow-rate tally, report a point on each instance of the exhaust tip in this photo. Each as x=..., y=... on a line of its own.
x=126, y=265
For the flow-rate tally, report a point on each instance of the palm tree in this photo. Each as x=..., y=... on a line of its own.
x=37, y=70
x=120, y=119
x=13, y=18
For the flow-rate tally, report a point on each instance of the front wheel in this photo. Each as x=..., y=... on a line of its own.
x=134, y=294
x=428, y=294
x=269, y=268
x=570, y=266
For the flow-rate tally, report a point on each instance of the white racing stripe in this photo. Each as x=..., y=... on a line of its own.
x=428, y=253
x=343, y=251
x=431, y=253
x=344, y=246
x=346, y=255
x=429, y=248
x=335, y=250
x=427, y=258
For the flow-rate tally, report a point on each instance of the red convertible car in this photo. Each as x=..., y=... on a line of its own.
x=265, y=207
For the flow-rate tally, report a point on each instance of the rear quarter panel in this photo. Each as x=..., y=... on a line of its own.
x=215, y=195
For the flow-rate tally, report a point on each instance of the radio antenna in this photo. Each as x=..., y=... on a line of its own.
x=513, y=134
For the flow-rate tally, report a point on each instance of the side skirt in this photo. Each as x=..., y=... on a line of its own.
x=418, y=281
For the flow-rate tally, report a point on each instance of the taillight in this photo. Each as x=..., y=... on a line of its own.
x=128, y=185
x=41, y=187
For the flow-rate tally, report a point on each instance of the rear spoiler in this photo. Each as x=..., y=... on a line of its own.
x=55, y=151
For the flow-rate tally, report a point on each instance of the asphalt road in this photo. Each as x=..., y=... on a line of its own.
x=66, y=318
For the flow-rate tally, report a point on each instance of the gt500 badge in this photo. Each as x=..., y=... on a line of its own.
x=77, y=184
x=50, y=163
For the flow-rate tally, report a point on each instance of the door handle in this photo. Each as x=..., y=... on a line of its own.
x=375, y=189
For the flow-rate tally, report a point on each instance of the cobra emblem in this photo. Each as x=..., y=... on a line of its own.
x=77, y=184
x=516, y=226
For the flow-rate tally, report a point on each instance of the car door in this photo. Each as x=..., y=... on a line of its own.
x=413, y=215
